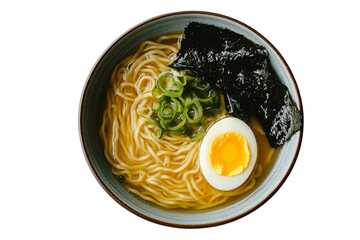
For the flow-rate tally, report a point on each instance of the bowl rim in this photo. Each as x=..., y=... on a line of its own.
x=177, y=225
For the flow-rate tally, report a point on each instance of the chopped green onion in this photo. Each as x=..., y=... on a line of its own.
x=148, y=115
x=156, y=106
x=200, y=86
x=193, y=111
x=161, y=132
x=178, y=124
x=179, y=103
x=157, y=95
x=167, y=110
x=169, y=87
x=211, y=101
x=195, y=131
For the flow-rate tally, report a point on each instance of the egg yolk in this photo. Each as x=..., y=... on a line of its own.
x=229, y=154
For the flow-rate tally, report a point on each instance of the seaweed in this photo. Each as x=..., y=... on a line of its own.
x=241, y=70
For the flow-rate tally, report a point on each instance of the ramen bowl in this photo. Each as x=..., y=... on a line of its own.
x=92, y=106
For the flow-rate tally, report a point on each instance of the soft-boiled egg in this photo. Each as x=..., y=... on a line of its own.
x=228, y=154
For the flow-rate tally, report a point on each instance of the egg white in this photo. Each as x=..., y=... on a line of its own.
x=227, y=125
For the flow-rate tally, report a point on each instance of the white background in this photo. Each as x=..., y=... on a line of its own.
x=47, y=50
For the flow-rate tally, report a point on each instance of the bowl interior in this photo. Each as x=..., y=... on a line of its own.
x=91, y=113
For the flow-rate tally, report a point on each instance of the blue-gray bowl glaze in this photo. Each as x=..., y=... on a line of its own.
x=90, y=114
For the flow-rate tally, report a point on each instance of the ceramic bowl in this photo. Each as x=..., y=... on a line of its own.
x=91, y=111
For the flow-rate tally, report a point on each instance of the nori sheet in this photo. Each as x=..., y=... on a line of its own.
x=240, y=69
